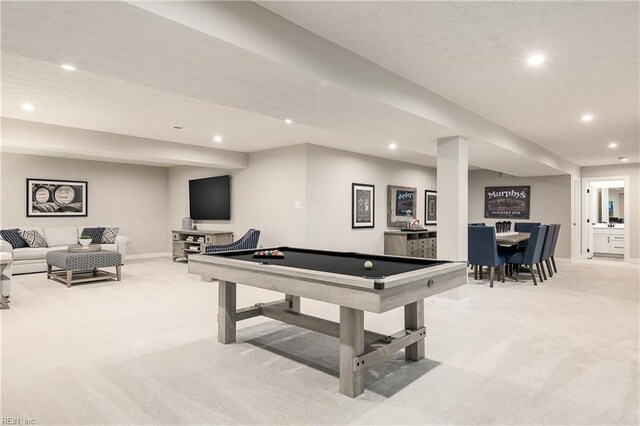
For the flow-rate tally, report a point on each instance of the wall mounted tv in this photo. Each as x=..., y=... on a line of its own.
x=210, y=198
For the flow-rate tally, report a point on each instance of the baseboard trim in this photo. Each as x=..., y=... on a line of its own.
x=147, y=255
x=633, y=260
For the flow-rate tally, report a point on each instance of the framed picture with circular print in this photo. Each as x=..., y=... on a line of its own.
x=56, y=198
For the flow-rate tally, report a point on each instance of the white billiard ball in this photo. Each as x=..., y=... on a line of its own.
x=368, y=264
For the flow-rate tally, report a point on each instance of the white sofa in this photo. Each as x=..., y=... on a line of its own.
x=27, y=259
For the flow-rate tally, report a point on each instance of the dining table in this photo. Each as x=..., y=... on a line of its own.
x=511, y=238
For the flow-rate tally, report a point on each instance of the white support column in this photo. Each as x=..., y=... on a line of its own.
x=452, y=207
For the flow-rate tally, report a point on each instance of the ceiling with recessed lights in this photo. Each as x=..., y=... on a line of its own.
x=475, y=54
x=140, y=74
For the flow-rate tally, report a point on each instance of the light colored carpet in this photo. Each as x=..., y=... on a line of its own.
x=144, y=351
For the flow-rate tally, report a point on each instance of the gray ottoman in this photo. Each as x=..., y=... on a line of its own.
x=84, y=265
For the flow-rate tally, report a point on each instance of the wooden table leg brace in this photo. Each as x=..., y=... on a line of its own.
x=359, y=348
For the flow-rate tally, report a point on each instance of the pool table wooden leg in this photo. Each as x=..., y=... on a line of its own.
x=413, y=320
x=295, y=302
x=226, y=312
x=351, y=346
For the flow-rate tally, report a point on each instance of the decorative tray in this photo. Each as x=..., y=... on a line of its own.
x=77, y=248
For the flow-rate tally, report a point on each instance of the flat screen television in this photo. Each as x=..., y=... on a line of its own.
x=210, y=198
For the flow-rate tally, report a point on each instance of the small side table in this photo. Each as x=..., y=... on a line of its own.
x=5, y=260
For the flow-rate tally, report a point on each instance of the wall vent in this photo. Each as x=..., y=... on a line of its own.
x=504, y=175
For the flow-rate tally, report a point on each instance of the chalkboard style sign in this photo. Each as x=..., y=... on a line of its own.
x=507, y=202
x=401, y=205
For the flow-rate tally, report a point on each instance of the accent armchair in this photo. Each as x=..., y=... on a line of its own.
x=247, y=242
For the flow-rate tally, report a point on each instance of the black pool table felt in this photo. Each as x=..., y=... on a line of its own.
x=345, y=263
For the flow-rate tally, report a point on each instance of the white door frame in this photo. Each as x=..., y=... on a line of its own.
x=586, y=181
x=576, y=218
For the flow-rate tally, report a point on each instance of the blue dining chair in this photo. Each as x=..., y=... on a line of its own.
x=546, y=251
x=553, y=246
x=525, y=226
x=483, y=251
x=531, y=256
x=247, y=242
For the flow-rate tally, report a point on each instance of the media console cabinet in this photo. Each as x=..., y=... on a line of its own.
x=421, y=243
x=194, y=242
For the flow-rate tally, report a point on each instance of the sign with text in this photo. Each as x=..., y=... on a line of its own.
x=507, y=202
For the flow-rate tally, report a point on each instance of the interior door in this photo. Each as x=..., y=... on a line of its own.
x=591, y=199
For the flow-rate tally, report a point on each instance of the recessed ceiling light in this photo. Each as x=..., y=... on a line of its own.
x=217, y=138
x=586, y=117
x=536, y=60
x=68, y=67
x=623, y=159
x=28, y=107
x=288, y=121
x=392, y=146
x=613, y=145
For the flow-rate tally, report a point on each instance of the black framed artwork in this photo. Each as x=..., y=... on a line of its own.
x=56, y=198
x=430, y=207
x=401, y=205
x=362, y=206
x=509, y=202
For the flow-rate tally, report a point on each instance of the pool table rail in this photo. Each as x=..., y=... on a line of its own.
x=330, y=287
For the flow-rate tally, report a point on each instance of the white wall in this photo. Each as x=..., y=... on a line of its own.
x=129, y=196
x=330, y=174
x=550, y=201
x=263, y=196
x=633, y=197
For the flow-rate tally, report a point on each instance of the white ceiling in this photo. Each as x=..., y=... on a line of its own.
x=140, y=74
x=474, y=54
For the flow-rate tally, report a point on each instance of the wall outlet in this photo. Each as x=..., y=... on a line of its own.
x=298, y=204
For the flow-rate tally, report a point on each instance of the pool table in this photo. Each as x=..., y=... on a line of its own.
x=339, y=278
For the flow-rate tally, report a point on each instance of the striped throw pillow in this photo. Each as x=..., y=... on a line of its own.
x=12, y=236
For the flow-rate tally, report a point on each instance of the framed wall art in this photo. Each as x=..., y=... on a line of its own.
x=430, y=207
x=401, y=205
x=56, y=198
x=511, y=202
x=362, y=206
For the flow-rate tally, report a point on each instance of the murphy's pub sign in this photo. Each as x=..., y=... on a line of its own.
x=507, y=202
